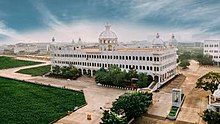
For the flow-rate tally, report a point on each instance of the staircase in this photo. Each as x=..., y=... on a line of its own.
x=153, y=86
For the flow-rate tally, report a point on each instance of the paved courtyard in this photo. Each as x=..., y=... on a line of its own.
x=195, y=103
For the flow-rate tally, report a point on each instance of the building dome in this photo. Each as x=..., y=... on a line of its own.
x=216, y=93
x=158, y=43
x=173, y=41
x=108, y=34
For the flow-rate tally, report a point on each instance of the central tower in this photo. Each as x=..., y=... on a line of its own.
x=108, y=40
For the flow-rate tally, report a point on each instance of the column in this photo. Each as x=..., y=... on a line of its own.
x=91, y=73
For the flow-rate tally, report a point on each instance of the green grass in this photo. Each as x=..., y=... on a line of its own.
x=27, y=103
x=8, y=62
x=173, y=111
x=36, y=71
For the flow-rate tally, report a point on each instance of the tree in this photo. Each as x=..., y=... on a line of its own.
x=143, y=80
x=209, y=81
x=56, y=69
x=114, y=73
x=185, y=56
x=211, y=117
x=132, y=73
x=120, y=79
x=73, y=72
x=102, y=77
x=133, y=104
x=184, y=63
x=66, y=72
x=204, y=59
x=110, y=117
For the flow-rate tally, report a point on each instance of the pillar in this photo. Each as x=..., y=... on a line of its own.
x=91, y=73
x=82, y=71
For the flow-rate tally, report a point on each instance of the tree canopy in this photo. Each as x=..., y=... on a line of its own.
x=115, y=76
x=130, y=104
x=184, y=63
x=70, y=72
x=211, y=117
x=110, y=117
x=133, y=104
x=209, y=81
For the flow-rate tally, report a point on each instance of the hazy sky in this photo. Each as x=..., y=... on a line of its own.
x=40, y=20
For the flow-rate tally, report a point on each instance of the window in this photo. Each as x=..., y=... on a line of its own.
x=140, y=67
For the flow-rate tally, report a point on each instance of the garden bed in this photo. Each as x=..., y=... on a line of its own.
x=36, y=71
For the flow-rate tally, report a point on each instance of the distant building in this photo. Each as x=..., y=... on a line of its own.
x=32, y=48
x=1, y=49
x=212, y=47
x=198, y=45
x=159, y=60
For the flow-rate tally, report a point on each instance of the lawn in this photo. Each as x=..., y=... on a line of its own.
x=173, y=111
x=36, y=71
x=9, y=62
x=27, y=103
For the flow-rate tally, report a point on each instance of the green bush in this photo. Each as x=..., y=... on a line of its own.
x=70, y=72
x=133, y=104
x=110, y=117
x=116, y=77
x=211, y=117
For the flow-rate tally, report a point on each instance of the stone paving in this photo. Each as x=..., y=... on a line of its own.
x=195, y=103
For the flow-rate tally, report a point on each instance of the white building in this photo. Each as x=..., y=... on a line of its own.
x=159, y=60
x=214, y=100
x=212, y=47
x=40, y=48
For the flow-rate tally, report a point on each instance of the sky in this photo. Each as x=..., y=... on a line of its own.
x=67, y=20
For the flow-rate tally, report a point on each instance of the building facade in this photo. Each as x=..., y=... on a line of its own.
x=159, y=60
x=37, y=48
x=212, y=47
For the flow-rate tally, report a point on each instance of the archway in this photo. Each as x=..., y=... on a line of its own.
x=94, y=71
x=156, y=79
x=84, y=72
x=89, y=72
x=80, y=71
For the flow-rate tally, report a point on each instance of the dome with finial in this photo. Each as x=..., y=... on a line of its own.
x=158, y=43
x=173, y=41
x=107, y=33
